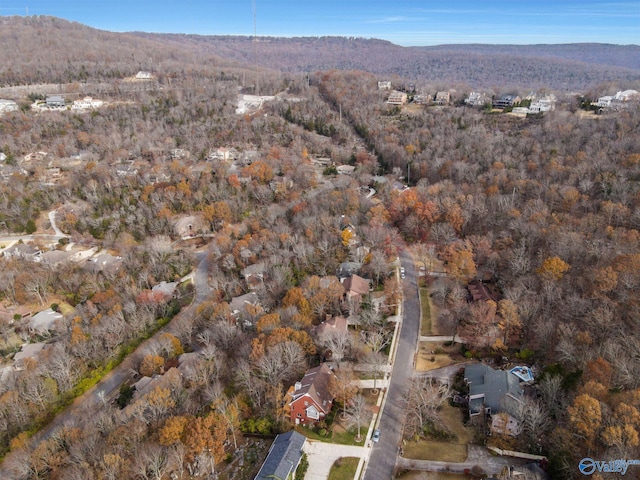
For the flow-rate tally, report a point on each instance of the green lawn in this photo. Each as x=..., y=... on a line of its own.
x=426, y=325
x=433, y=450
x=344, y=468
x=341, y=438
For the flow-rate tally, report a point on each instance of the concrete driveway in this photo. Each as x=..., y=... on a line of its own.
x=321, y=456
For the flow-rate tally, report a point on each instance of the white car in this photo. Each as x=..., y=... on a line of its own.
x=376, y=436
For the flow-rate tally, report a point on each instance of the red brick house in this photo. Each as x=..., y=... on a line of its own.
x=310, y=397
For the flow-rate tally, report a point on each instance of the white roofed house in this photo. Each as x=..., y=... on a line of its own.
x=7, y=106
x=86, y=103
x=142, y=75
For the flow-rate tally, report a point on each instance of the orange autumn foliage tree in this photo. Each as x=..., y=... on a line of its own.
x=553, y=269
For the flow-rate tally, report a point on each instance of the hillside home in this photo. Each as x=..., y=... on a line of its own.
x=479, y=292
x=283, y=458
x=311, y=400
x=190, y=225
x=494, y=393
x=477, y=99
x=505, y=101
x=397, y=98
x=330, y=326
x=384, y=85
x=422, y=99
x=239, y=305
x=29, y=352
x=7, y=106
x=35, y=156
x=55, y=101
x=355, y=287
x=619, y=100
x=23, y=251
x=345, y=169
x=86, y=103
x=544, y=104
x=442, y=98
x=143, y=76
x=254, y=274
x=43, y=322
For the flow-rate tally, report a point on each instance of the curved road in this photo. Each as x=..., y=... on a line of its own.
x=382, y=461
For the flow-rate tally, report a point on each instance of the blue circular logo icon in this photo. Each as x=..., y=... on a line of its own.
x=587, y=466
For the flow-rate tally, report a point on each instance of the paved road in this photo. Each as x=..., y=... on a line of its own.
x=384, y=453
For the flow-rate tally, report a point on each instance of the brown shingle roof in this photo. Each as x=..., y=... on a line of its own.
x=315, y=383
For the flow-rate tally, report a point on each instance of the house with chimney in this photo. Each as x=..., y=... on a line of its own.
x=311, y=400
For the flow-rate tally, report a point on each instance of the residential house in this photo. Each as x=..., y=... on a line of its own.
x=345, y=169
x=619, y=100
x=28, y=352
x=311, y=399
x=505, y=101
x=254, y=275
x=54, y=258
x=355, y=286
x=23, y=251
x=397, y=98
x=43, y=322
x=239, y=305
x=7, y=106
x=51, y=175
x=141, y=75
x=495, y=393
x=331, y=325
x=477, y=99
x=86, y=103
x=384, y=85
x=544, y=104
x=190, y=225
x=55, y=101
x=346, y=269
x=422, y=99
x=479, y=292
x=126, y=170
x=283, y=458
x=37, y=156
x=442, y=98
x=103, y=262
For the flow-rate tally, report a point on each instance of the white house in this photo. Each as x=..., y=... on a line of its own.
x=144, y=76
x=8, y=106
x=618, y=100
x=86, y=103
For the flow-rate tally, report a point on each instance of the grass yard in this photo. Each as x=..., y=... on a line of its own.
x=344, y=468
x=427, y=326
x=441, y=357
x=433, y=450
x=451, y=418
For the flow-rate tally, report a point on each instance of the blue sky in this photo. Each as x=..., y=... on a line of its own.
x=405, y=22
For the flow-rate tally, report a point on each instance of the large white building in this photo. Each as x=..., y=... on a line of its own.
x=86, y=103
x=618, y=100
x=8, y=106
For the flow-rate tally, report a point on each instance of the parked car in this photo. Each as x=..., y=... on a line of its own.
x=376, y=436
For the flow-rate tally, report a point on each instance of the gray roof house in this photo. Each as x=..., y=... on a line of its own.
x=494, y=390
x=283, y=458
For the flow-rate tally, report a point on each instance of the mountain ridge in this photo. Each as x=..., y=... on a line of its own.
x=42, y=49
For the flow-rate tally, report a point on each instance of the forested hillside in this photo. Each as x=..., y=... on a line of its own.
x=562, y=67
x=229, y=229
x=50, y=50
